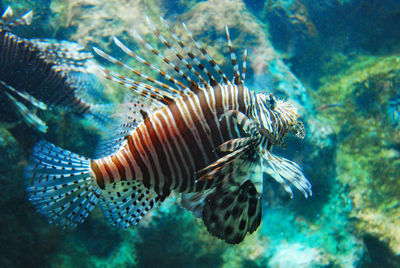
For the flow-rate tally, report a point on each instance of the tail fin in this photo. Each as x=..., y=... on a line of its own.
x=62, y=188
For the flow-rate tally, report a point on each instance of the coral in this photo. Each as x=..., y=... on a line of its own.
x=268, y=72
x=97, y=21
x=298, y=255
x=327, y=235
x=292, y=25
x=367, y=153
x=22, y=236
x=189, y=244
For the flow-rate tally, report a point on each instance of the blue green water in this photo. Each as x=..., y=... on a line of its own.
x=336, y=61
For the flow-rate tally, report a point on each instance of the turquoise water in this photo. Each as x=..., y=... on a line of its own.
x=337, y=62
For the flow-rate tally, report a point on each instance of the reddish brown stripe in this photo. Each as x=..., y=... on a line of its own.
x=108, y=170
x=129, y=163
x=208, y=148
x=201, y=66
x=145, y=142
x=120, y=167
x=210, y=120
x=191, y=55
x=162, y=157
x=220, y=111
x=218, y=99
x=170, y=133
x=242, y=106
x=138, y=159
x=97, y=173
x=187, y=135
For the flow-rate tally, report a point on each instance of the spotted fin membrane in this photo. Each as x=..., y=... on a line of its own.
x=125, y=203
x=231, y=213
x=62, y=188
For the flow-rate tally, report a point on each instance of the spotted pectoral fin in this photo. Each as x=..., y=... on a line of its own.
x=125, y=203
x=230, y=213
x=194, y=202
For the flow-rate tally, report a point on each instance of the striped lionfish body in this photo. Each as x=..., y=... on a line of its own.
x=210, y=141
x=36, y=75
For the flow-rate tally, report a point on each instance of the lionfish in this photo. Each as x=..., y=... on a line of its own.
x=40, y=74
x=209, y=141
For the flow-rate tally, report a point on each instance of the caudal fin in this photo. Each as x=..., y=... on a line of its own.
x=62, y=188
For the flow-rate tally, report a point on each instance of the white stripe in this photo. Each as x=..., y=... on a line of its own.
x=100, y=163
x=149, y=145
x=211, y=106
x=202, y=118
x=203, y=123
x=156, y=159
x=225, y=105
x=181, y=105
x=184, y=146
x=177, y=146
x=166, y=147
x=136, y=169
x=236, y=98
x=113, y=168
x=125, y=165
x=143, y=156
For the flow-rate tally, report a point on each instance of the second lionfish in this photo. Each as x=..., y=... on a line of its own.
x=209, y=140
x=37, y=74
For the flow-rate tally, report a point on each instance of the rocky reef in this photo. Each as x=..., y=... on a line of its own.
x=345, y=84
x=367, y=152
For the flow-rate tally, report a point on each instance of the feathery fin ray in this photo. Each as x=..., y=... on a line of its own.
x=62, y=188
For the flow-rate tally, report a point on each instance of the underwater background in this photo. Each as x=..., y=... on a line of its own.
x=337, y=60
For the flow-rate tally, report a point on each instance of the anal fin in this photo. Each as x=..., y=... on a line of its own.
x=125, y=203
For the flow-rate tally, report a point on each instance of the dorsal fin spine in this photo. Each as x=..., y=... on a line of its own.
x=122, y=79
x=163, y=40
x=141, y=60
x=138, y=87
x=165, y=59
x=244, y=65
x=213, y=81
x=195, y=60
x=207, y=56
x=233, y=58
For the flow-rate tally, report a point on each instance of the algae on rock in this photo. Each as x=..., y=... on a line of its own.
x=367, y=155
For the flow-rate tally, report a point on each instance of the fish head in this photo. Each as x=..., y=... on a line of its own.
x=276, y=118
